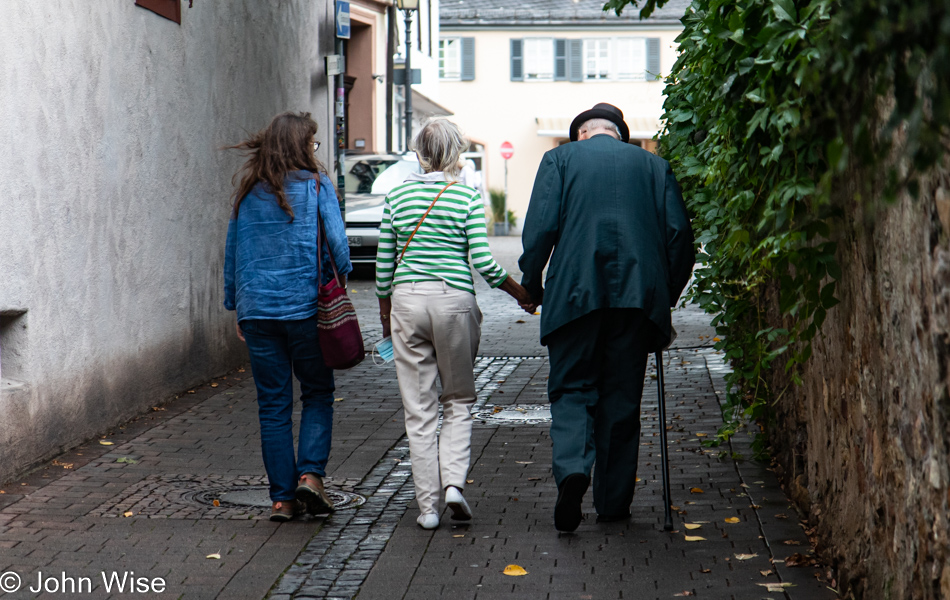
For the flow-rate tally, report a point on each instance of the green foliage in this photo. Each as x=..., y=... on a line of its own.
x=497, y=198
x=768, y=105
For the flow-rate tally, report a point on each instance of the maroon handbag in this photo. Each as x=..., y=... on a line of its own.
x=341, y=341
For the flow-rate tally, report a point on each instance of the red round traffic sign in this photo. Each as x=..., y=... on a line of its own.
x=507, y=150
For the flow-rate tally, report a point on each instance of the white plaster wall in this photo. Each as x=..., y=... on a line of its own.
x=114, y=195
x=493, y=109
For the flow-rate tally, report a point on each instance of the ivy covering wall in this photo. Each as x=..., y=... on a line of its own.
x=770, y=103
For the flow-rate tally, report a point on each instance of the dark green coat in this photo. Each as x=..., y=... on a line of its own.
x=615, y=218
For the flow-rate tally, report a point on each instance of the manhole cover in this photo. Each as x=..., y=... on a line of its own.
x=258, y=497
x=516, y=414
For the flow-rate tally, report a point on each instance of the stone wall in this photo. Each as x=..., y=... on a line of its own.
x=114, y=198
x=863, y=444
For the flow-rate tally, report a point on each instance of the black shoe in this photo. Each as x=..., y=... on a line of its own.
x=612, y=518
x=567, y=511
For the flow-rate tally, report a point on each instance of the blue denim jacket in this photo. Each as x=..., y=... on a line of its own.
x=270, y=263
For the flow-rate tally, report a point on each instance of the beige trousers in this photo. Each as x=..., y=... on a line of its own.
x=436, y=330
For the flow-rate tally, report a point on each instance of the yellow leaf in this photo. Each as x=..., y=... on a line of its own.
x=638, y=479
x=469, y=481
x=700, y=435
x=776, y=587
x=732, y=520
x=766, y=573
x=338, y=399
x=692, y=525
x=715, y=339
x=215, y=556
x=105, y=443
x=127, y=514
x=514, y=571
x=676, y=508
x=214, y=385
x=745, y=556
x=696, y=490
x=694, y=538
x=216, y=502
x=458, y=536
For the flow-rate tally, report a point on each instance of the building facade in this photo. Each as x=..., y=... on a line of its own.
x=522, y=74
x=115, y=197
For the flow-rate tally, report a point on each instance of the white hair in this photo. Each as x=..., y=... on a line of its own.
x=610, y=126
x=439, y=146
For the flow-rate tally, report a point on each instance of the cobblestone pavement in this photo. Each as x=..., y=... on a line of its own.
x=178, y=495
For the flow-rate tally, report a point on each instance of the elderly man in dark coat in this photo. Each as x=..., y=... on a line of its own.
x=622, y=253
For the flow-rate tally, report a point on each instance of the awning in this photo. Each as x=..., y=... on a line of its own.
x=641, y=128
x=428, y=107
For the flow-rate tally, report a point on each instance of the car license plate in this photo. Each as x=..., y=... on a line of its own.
x=354, y=240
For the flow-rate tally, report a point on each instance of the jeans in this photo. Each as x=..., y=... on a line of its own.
x=598, y=363
x=279, y=350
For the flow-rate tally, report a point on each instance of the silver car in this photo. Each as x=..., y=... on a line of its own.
x=368, y=178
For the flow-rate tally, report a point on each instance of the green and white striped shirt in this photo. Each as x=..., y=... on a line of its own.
x=439, y=251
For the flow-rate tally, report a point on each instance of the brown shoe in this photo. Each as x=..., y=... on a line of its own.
x=310, y=491
x=286, y=510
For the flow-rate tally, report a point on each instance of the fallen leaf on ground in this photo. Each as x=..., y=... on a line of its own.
x=469, y=481
x=705, y=570
x=696, y=490
x=715, y=339
x=128, y=513
x=534, y=479
x=781, y=516
x=694, y=538
x=638, y=479
x=191, y=391
x=514, y=571
x=792, y=543
x=214, y=385
x=127, y=460
x=676, y=508
x=743, y=485
x=459, y=535
x=215, y=556
x=798, y=560
x=524, y=462
x=686, y=593
x=766, y=573
x=776, y=587
x=105, y=443
x=745, y=556
x=701, y=435
x=338, y=399
x=732, y=520
x=692, y=525
x=216, y=502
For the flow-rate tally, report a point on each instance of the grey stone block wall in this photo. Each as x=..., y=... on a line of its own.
x=863, y=444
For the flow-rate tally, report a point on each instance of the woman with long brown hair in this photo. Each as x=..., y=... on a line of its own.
x=271, y=278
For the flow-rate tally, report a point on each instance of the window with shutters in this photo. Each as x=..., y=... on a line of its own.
x=450, y=59
x=597, y=59
x=539, y=59
x=630, y=59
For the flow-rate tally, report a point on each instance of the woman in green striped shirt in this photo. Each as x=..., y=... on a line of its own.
x=427, y=304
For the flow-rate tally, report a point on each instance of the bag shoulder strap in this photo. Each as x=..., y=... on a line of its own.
x=406, y=247
x=321, y=235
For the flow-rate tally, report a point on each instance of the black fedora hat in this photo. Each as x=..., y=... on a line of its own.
x=601, y=111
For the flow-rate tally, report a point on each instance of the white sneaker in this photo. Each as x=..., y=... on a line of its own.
x=428, y=520
x=456, y=501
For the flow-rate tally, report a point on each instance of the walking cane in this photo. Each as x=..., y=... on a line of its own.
x=661, y=403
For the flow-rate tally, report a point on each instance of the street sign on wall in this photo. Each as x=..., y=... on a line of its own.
x=343, y=19
x=507, y=150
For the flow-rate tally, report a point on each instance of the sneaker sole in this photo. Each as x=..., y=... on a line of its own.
x=312, y=500
x=567, y=511
x=458, y=511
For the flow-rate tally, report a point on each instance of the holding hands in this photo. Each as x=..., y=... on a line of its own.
x=516, y=291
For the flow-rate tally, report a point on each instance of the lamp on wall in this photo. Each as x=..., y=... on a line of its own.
x=408, y=7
